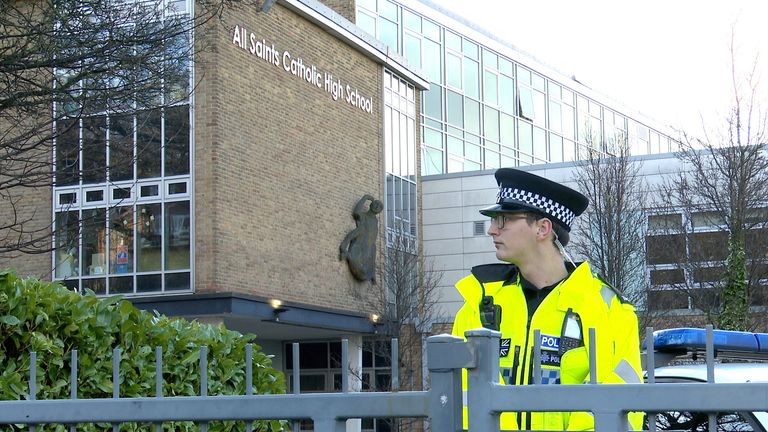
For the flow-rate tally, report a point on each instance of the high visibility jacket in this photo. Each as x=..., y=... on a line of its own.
x=581, y=298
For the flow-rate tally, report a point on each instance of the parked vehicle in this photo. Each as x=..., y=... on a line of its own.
x=740, y=357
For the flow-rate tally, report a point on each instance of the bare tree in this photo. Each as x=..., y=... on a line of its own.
x=64, y=65
x=722, y=194
x=406, y=303
x=611, y=232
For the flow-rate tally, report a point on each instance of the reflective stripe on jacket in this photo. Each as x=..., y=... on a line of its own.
x=582, y=295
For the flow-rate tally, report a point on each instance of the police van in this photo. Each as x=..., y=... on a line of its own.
x=679, y=356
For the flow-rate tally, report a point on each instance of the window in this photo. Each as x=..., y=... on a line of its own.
x=320, y=371
x=400, y=160
x=667, y=300
x=665, y=249
x=122, y=216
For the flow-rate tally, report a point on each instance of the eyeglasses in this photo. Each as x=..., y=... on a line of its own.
x=502, y=218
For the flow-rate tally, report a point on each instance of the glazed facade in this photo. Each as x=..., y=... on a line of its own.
x=491, y=106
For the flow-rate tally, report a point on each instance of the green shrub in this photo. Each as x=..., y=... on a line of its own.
x=52, y=321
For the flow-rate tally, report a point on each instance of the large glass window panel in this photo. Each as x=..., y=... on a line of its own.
x=655, y=143
x=454, y=108
x=507, y=98
x=539, y=108
x=433, y=102
x=402, y=144
x=94, y=242
x=94, y=149
x=491, y=124
x=120, y=148
x=412, y=49
x=411, y=21
x=177, y=89
x=554, y=91
x=432, y=162
x=569, y=150
x=121, y=285
x=67, y=152
x=411, y=140
x=472, y=152
x=177, y=235
x=537, y=82
x=505, y=66
x=523, y=75
x=455, y=145
x=453, y=70
x=507, y=130
x=472, y=116
x=470, y=49
x=556, y=148
x=539, y=144
x=396, y=151
x=490, y=59
x=431, y=30
x=567, y=96
x=97, y=285
x=67, y=247
x=471, y=78
x=148, y=143
x=388, y=157
x=388, y=33
x=366, y=22
x=432, y=63
x=149, y=283
x=471, y=165
x=490, y=87
x=525, y=139
x=177, y=282
x=452, y=41
x=555, y=117
x=177, y=140
x=121, y=240
x=527, y=109
x=433, y=138
x=388, y=9
x=150, y=237
x=492, y=160
x=368, y=4
x=568, y=121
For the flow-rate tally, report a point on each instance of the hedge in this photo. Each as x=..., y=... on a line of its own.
x=51, y=320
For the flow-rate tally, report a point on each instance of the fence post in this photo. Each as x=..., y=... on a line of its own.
x=485, y=345
x=444, y=365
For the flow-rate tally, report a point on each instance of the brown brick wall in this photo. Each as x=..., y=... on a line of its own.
x=279, y=164
x=25, y=212
x=33, y=207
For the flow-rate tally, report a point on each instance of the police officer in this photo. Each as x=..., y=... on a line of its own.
x=536, y=289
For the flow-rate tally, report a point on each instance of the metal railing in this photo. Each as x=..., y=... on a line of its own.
x=441, y=404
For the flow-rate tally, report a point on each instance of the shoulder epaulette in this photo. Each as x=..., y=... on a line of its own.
x=613, y=289
x=495, y=272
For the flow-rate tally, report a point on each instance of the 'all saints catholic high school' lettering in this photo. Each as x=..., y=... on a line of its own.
x=296, y=66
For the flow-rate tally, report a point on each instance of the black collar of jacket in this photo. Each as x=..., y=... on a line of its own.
x=504, y=272
x=495, y=272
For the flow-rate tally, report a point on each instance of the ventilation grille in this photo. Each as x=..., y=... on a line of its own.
x=479, y=228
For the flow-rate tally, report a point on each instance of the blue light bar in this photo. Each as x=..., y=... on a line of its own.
x=695, y=339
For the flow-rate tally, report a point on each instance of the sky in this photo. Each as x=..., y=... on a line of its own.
x=668, y=59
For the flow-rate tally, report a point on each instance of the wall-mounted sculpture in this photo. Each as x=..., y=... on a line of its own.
x=359, y=246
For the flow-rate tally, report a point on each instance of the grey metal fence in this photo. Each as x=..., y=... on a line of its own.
x=441, y=404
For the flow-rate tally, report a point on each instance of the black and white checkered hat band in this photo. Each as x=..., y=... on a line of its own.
x=546, y=205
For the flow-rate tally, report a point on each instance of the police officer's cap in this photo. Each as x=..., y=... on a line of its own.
x=521, y=191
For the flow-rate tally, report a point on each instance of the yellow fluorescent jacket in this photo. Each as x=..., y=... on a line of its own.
x=597, y=305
